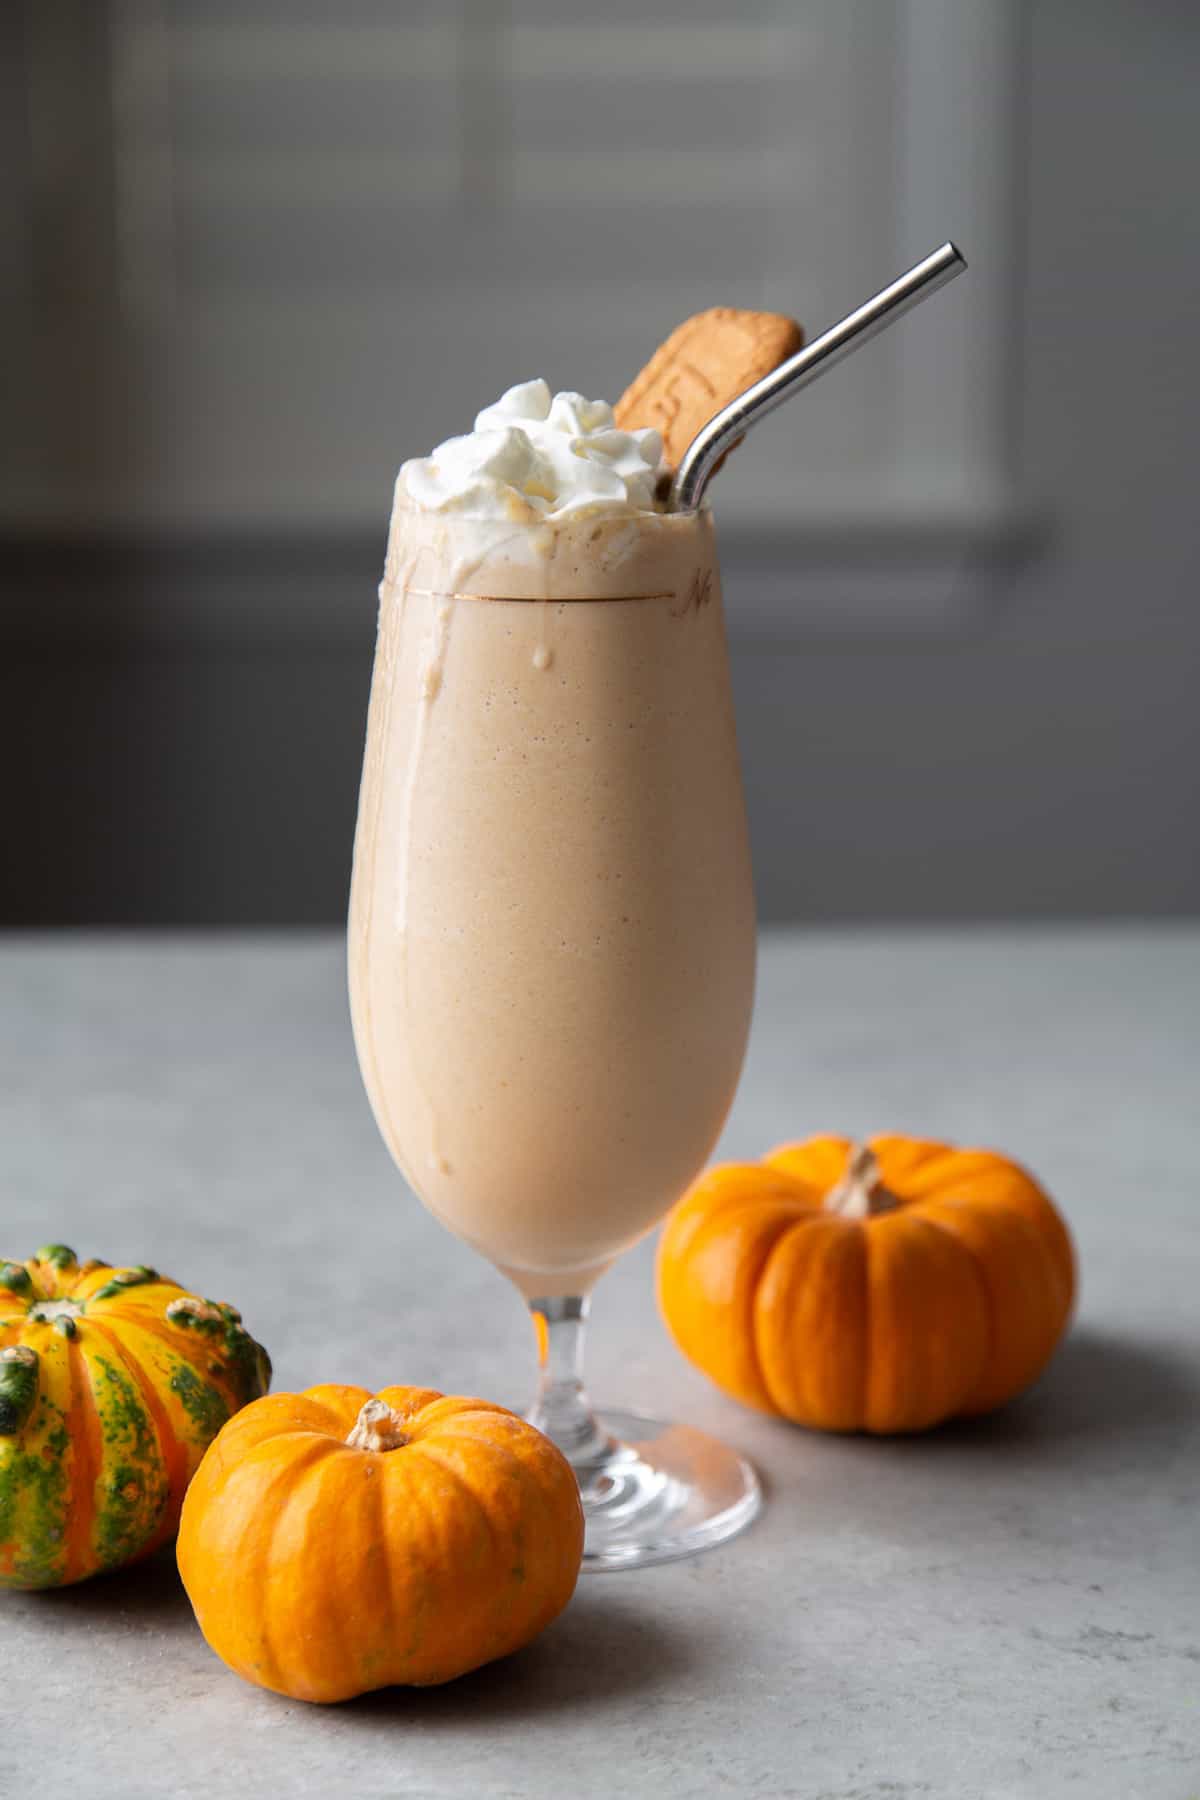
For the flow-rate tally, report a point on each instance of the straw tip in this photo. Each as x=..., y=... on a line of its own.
x=956, y=254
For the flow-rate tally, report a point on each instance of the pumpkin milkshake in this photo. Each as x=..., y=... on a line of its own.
x=551, y=919
x=552, y=924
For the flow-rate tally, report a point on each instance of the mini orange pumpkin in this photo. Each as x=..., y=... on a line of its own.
x=879, y=1288
x=332, y=1542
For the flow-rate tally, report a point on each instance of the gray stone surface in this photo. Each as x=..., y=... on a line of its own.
x=1006, y=1611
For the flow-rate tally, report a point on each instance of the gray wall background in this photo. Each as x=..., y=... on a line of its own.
x=1028, y=744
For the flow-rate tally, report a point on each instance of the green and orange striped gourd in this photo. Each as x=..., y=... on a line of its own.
x=113, y=1382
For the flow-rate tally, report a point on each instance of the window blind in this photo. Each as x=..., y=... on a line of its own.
x=316, y=238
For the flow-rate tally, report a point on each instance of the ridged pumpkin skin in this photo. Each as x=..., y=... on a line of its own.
x=936, y=1287
x=322, y=1562
x=113, y=1382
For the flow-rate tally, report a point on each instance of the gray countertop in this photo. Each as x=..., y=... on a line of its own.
x=1009, y=1610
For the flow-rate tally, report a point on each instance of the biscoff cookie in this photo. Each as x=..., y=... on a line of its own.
x=705, y=363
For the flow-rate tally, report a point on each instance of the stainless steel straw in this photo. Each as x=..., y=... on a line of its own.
x=733, y=421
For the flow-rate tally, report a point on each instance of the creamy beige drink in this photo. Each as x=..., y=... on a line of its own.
x=552, y=927
x=551, y=921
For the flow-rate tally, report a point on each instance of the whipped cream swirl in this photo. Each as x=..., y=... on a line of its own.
x=533, y=455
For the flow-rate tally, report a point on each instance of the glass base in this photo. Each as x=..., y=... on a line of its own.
x=654, y=1492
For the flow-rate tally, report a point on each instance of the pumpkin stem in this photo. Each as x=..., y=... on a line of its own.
x=377, y=1427
x=860, y=1194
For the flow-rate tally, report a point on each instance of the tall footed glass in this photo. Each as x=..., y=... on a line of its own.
x=552, y=937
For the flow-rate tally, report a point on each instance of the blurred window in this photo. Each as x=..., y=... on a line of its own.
x=264, y=249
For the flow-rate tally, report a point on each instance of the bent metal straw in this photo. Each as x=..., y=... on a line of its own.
x=725, y=428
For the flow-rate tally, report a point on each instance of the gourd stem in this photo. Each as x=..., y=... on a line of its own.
x=562, y=1409
x=860, y=1194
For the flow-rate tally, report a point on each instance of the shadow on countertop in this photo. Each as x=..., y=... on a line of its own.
x=1097, y=1385
x=604, y=1649
x=147, y=1596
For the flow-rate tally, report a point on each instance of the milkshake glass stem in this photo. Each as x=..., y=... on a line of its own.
x=562, y=1409
x=650, y=1492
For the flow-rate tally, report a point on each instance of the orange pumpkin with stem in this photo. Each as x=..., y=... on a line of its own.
x=883, y=1287
x=333, y=1542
